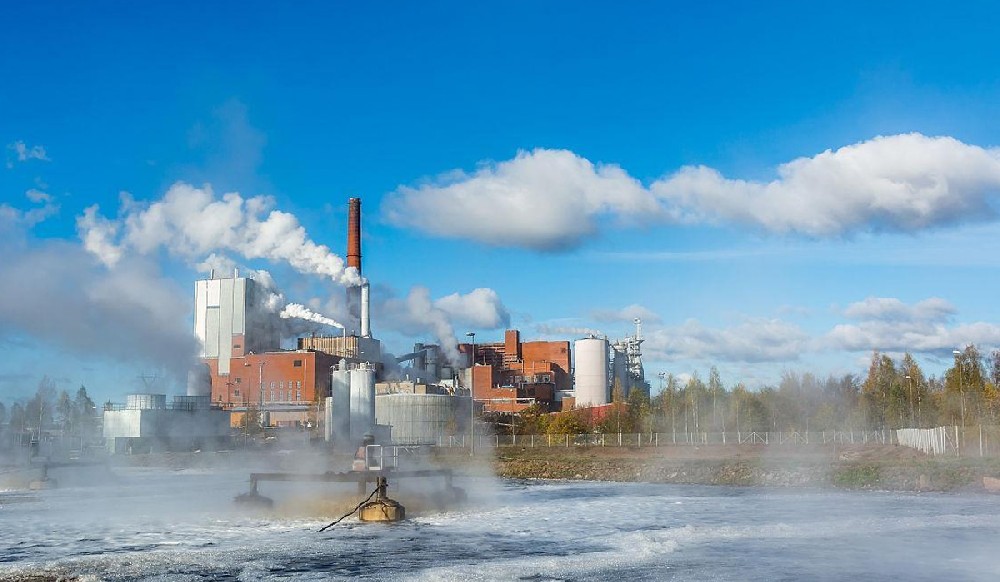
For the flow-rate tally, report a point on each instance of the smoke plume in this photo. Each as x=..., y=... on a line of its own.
x=299, y=311
x=193, y=224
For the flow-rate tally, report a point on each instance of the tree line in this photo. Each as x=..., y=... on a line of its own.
x=892, y=394
x=50, y=409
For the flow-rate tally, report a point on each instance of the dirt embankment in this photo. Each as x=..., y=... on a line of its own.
x=853, y=467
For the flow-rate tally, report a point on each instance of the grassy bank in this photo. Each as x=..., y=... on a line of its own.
x=853, y=467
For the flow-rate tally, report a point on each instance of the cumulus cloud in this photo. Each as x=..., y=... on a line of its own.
x=888, y=324
x=628, y=314
x=480, y=308
x=551, y=199
x=543, y=199
x=753, y=340
x=900, y=182
x=193, y=223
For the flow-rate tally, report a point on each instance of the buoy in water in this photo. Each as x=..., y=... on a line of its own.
x=382, y=508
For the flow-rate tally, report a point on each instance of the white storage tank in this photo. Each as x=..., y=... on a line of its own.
x=421, y=419
x=338, y=407
x=591, y=371
x=362, y=402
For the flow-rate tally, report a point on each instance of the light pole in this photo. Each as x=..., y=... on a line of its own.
x=960, y=364
x=909, y=380
x=472, y=397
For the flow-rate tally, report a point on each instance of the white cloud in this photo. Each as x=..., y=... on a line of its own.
x=28, y=218
x=627, y=314
x=889, y=325
x=480, y=308
x=753, y=340
x=417, y=314
x=23, y=153
x=561, y=331
x=543, y=199
x=98, y=234
x=552, y=199
x=900, y=182
x=37, y=196
x=192, y=223
x=891, y=309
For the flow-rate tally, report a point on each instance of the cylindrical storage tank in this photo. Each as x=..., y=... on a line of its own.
x=591, y=371
x=362, y=403
x=340, y=408
x=420, y=419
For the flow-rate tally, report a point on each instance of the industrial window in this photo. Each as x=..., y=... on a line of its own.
x=237, y=393
x=239, y=380
x=237, y=346
x=299, y=384
x=281, y=395
x=281, y=386
x=272, y=395
x=272, y=386
x=296, y=363
x=298, y=395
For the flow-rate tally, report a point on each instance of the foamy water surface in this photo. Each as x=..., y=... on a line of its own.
x=157, y=524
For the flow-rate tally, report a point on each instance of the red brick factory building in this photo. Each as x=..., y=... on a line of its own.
x=511, y=375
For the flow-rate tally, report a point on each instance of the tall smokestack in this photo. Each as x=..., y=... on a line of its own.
x=354, y=234
x=366, y=328
x=354, y=257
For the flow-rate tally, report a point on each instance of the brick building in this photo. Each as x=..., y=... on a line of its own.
x=283, y=384
x=511, y=375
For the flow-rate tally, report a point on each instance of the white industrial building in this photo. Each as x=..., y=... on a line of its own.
x=231, y=319
x=146, y=423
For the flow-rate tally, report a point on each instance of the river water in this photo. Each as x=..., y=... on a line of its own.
x=155, y=524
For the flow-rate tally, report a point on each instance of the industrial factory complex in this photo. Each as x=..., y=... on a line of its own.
x=345, y=385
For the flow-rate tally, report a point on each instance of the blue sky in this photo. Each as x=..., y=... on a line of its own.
x=655, y=159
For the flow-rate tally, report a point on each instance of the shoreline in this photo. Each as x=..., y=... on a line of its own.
x=856, y=467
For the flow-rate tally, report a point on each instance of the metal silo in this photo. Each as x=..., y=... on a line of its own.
x=339, y=406
x=362, y=403
x=419, y=419
x=591, y=371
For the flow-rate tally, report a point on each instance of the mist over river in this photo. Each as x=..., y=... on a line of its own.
x=158, y=524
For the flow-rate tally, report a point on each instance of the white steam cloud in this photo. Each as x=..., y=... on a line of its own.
x=480, y=308
x=417, y=313
x=550, y=199
x=192, y=223
x=59, y=295
x=299, y=311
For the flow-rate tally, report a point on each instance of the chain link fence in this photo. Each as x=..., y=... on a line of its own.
x=970, y=441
